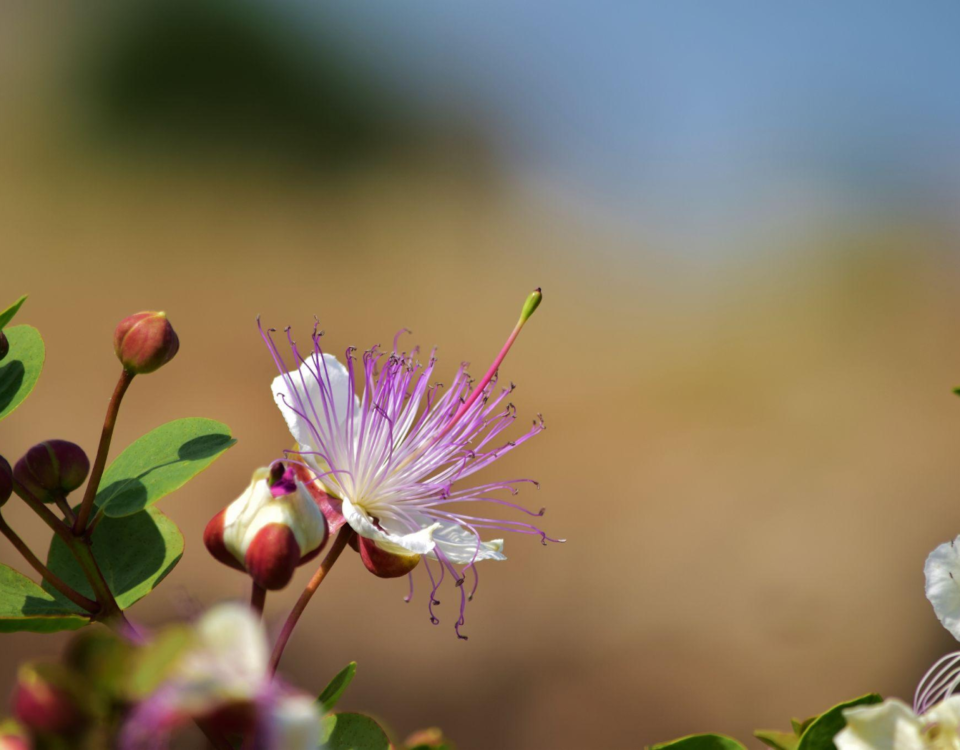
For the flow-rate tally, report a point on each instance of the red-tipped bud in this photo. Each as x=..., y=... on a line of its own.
x=45, y=699
x=272, y=556
x=213, y=539
x=385, y=564
x=428, y=738
x=51, y=469
x=272, y=528
x=13, y=736
x=4, y=345
x=145, y=342
x=6, y=481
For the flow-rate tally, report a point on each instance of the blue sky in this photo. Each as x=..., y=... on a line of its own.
x=699, y=114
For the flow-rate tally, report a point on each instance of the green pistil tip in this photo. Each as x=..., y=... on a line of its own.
x=532, y=303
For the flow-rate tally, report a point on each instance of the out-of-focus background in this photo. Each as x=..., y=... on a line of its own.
x=744, y=217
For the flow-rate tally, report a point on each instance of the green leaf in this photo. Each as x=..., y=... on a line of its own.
x=776, y=739
x=820, y=733
x=160, y=462
x=7, y=315
x=799, y=727
x=701, y=742
x=134, y=553
x=20, y=369
x=331, y=693
x=352, y=732
x=26, y=606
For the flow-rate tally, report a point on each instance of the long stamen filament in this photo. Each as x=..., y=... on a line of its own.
x=529, y=307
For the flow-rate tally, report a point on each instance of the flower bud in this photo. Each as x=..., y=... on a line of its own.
x=51, y=469
x=46, y=699
x=4, y=345
x=6, y=481
x=383, y=563
x=13, y=736
x=272, y=528
x=431, y=738
x=145, y=342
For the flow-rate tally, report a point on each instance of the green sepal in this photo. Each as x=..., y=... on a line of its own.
x=20, y=369
x=25, y=606
x=160, y=462
x=334, y=691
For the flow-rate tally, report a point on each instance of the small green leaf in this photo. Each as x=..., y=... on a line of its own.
x=776, y=739
x=26, y=606
x=20, y=369
x=352, y=732
x=331, y=693
x=7, y=315
x=821, y=731
x=160, y=462
x=134, y=553
x=799, y=727
x=701, y=742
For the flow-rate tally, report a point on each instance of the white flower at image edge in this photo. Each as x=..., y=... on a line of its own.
x=893, y=725
x=942, y=572
x=226, y=664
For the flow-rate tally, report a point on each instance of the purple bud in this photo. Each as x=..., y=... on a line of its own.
x=51, y=469
x=4, y=345
x=145, y=342
x=6, y=481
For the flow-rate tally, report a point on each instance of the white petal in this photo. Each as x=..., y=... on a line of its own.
x=892, y=725
x=296, y=723
x=298, y=512
x=418, y=543
x=942, y=571
x=460, y=544
x=299, y=390
x=945, y=714
x=242, y=512
x=229, y=660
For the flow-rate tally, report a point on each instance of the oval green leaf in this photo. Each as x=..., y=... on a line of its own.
x=701, y=742
x=20, y=369
x=819, y=734
x=332, y=693
x=26, y=606
x=160, y=462
x=7, y=315
x=776, y=739
x=135, y=553
x=352, y=732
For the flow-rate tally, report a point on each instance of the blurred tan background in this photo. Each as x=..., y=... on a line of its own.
x=744, y=357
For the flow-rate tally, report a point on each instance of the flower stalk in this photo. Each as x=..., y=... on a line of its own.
x=335, y=549
x=100, y=462
x=258, y=598
x=75, y=596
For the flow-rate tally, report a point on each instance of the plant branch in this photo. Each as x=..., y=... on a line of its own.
x=258, y=598
x=67, y=511
x=46, y=515
x=338, y=544
x=100, y=462
x=75, y=596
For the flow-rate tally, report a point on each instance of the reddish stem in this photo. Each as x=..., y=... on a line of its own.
x=100, y=462
x=75, y=596
x=258, y=598
x=338, y=544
